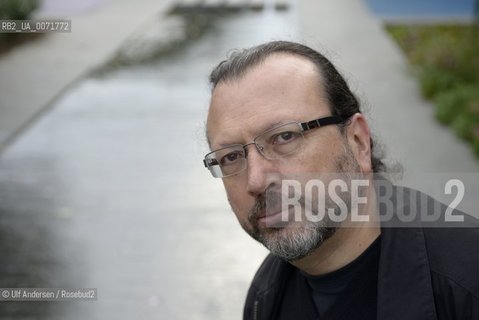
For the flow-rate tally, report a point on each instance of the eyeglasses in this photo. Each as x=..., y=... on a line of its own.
x=273, y=144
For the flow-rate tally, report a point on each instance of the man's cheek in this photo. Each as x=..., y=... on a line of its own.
x=235, y=204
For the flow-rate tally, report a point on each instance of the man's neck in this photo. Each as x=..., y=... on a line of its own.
x=344, y=246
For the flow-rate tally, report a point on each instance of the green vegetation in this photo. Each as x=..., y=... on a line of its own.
x=446, y=60
x=15, y=10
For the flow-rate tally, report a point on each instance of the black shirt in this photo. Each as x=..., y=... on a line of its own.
x=336, y=291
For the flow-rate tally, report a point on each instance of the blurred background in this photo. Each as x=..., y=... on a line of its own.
x=102, y=137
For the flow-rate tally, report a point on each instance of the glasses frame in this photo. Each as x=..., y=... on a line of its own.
x=305, y=126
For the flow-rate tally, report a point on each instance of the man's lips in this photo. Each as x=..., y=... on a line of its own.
x=272, y=218
x=268, y=212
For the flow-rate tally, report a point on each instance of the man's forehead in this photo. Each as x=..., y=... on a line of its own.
x=277, y=66
x=274, y=90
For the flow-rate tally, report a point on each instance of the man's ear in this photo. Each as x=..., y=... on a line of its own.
x=359, y=139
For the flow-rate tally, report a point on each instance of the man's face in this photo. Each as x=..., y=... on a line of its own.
x=281, y=89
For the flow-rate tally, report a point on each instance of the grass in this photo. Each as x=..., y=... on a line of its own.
x=445, y=59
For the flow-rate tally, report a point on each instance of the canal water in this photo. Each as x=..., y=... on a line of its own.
x=422, y=8
x=108, y=191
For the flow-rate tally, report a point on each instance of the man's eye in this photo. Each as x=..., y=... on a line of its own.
x=285, y=137
x=231, y=158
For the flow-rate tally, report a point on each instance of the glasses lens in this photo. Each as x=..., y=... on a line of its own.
x=280, y=141
x=227, y=161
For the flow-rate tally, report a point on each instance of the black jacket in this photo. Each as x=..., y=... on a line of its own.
x=424, y=274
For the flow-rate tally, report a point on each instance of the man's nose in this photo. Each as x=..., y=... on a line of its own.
x=260, y=172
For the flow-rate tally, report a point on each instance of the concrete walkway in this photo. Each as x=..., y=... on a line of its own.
x=33, y=75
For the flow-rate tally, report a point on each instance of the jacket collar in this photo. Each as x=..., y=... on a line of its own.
x=404, y=279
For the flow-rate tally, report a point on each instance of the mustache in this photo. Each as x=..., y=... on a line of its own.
x=258, y=209
x=268, y=202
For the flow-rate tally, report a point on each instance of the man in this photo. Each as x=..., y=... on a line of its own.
x=281, y=112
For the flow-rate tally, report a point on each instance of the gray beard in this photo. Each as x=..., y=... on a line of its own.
x=294, y=242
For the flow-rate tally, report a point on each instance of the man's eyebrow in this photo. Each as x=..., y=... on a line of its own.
x=263, y=129
x=275, y=124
